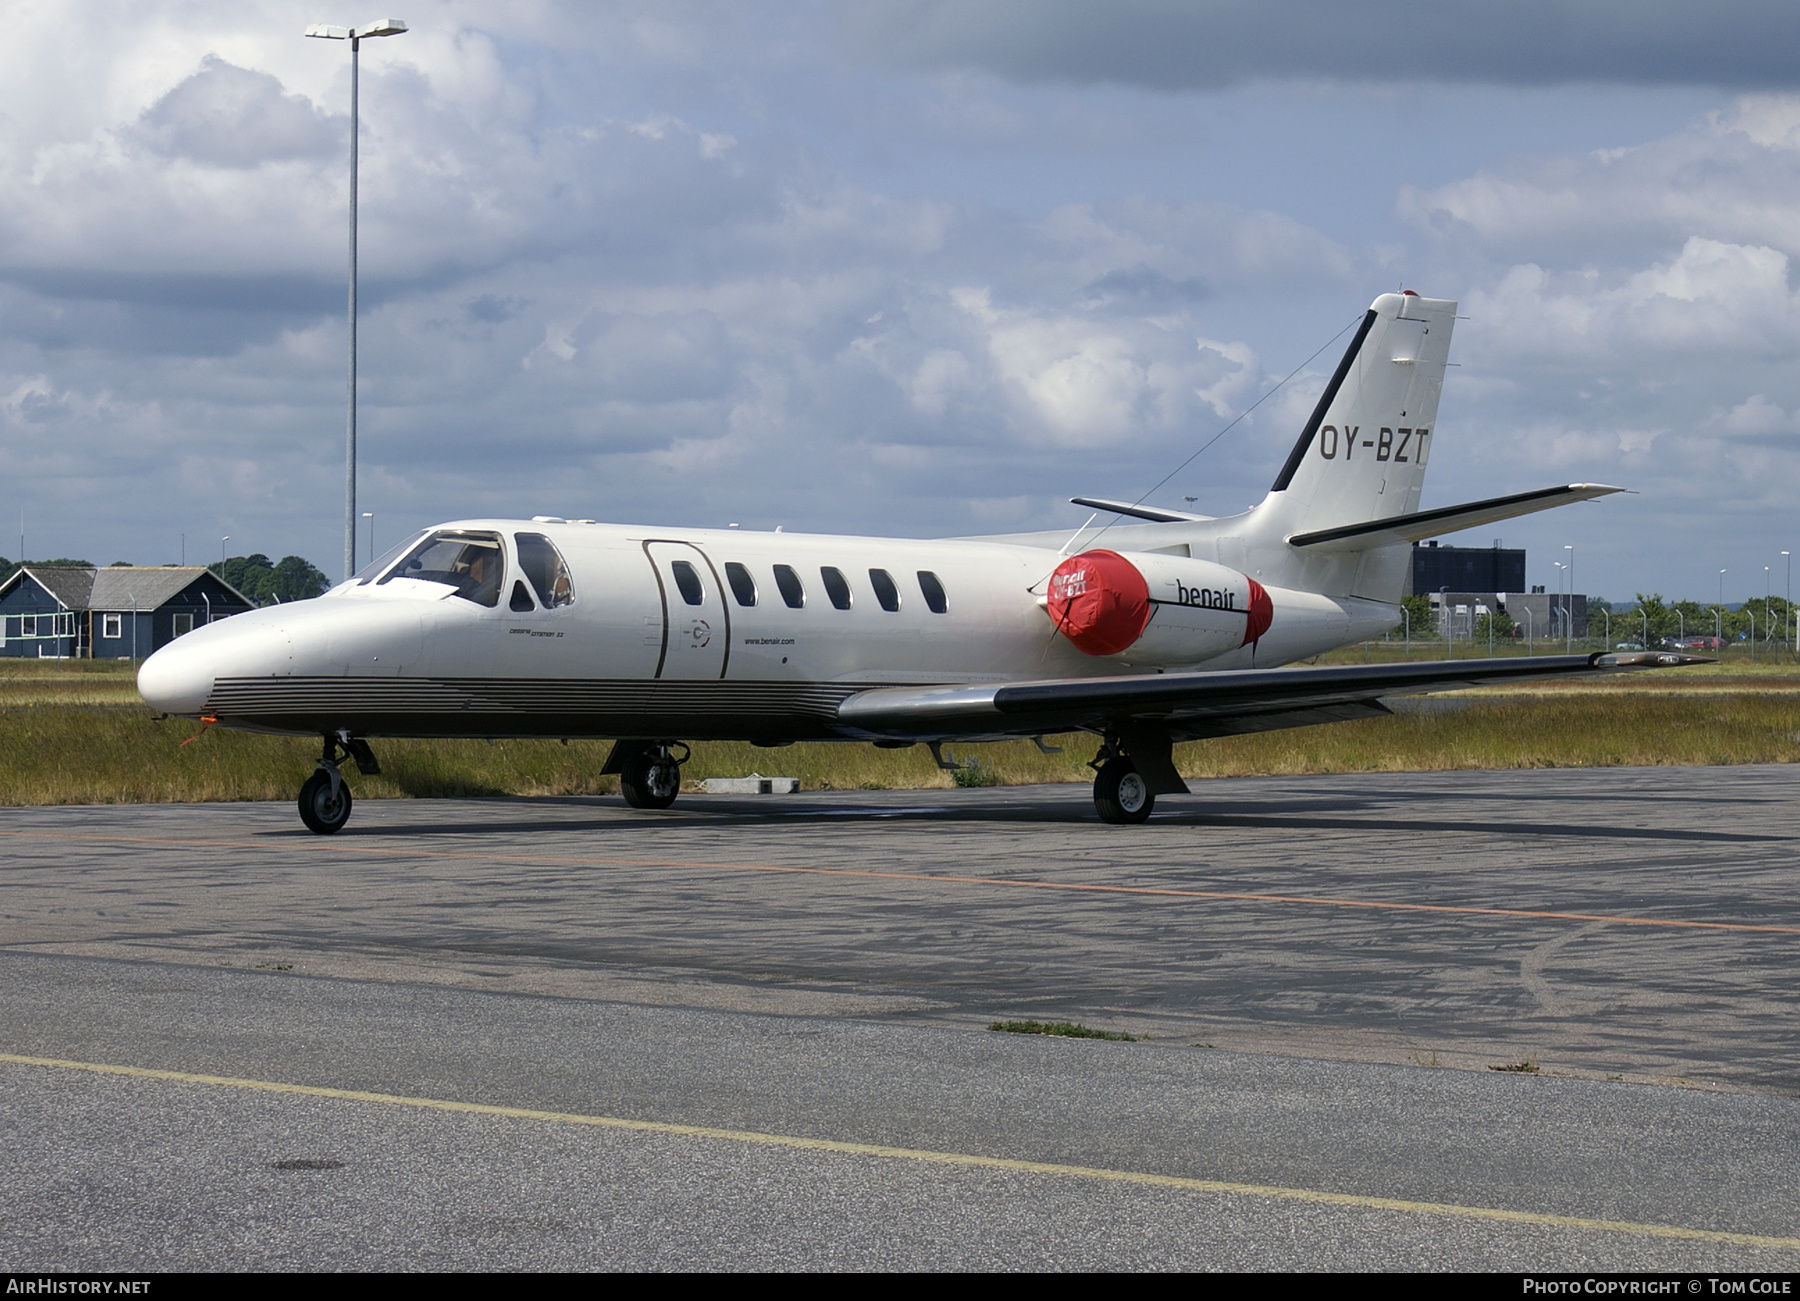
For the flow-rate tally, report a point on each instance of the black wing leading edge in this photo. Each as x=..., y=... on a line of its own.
x=1162, y=708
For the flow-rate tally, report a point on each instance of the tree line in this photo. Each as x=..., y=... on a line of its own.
x=266, y=582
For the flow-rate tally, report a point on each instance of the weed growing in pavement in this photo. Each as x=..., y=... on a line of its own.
x=1062, y=1029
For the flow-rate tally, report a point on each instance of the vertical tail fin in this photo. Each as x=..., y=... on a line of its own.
x=1363, y=453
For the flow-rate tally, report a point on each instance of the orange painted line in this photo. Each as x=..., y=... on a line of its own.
x=933, y=878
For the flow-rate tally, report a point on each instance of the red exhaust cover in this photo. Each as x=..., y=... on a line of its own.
x=1100, y=601
x=1262, y=612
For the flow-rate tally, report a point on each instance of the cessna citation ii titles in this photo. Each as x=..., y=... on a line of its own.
x=1176, y=630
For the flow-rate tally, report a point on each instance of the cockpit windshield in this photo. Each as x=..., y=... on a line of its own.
x=548, y=571
x=373, y=570
x=472, y=563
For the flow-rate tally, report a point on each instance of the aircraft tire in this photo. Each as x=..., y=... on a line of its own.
x=318, y=810
x=650, y=781
x=1121, y=795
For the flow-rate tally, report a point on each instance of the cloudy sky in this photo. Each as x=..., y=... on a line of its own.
x=904, y=266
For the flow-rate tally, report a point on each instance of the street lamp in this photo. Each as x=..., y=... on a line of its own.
x=355, y=35
x=1569, y=604
x=222, y=542
x=1768, y=596
x=1560, y=567
x=370, y=516
x=1789, y=598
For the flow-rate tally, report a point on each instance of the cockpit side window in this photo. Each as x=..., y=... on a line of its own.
x=473, y=563
x=545, y=567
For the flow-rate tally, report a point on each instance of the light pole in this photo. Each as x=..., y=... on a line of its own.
x=1789, y=598
x=1569, y=603
x=370, y=516
x=1721, y=612
x=355, y=35
x=1560, y=599
x=1768, y=597
x=222, y=542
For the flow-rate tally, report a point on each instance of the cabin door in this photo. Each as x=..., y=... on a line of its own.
x=696, y=641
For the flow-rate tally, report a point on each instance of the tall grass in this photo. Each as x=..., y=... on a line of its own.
x=96, y=754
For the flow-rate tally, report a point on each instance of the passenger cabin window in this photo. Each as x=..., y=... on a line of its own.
x=933, y=592
x=521, y=599
x=885, y=591
x=742, y=585
x=688, y=581
x=472, y=563
x=545, y=569
x=789, y=584
x=835, y=586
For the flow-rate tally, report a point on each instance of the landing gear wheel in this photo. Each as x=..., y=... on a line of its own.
x=651, y=780
x=1121, y=795
x=320, y=810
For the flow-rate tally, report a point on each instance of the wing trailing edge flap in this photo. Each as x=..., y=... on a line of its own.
x=1446, y=519
x=1190, y=706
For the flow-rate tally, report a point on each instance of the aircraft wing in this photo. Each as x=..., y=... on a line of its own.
x=1189, y=706
x=1446, y=519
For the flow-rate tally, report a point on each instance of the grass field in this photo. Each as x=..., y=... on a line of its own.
x=76, y=733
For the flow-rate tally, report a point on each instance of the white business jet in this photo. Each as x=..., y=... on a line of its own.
x=1175, y=630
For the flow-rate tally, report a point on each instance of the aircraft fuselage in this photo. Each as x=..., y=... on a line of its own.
x=703, y=634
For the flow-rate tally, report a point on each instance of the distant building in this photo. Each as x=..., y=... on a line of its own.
x=1543, y=615
x=1538, y=617
x=125, y=612
x=1466, y=569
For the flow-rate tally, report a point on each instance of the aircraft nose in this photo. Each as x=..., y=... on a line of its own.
x=177, y=679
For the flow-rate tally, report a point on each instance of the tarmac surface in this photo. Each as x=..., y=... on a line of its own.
x=748, y=1032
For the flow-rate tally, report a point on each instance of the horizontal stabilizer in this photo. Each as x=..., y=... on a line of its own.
x=1154, y=514
x=1447, y=519
x=1194, y=705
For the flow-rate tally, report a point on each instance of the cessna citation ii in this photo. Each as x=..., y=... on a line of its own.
x=1176, y=630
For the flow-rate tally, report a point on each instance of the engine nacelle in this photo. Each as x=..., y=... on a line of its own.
x=1164, y=609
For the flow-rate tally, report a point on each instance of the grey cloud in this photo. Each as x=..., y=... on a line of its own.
x=1142, y=287
x=1175, y=45
x=226, y=116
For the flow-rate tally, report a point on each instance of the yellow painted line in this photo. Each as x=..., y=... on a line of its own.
x=962, y=1159
x=354, y=846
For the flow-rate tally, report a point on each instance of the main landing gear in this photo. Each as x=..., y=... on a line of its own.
x=324, y=798
x=649, y=772
x=1132, y=768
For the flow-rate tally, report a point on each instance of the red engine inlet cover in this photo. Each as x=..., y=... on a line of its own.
x=1099, y=601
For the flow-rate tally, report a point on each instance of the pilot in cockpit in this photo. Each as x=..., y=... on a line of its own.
x=478, y=571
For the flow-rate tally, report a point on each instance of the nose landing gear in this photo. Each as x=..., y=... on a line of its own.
x=324, y=799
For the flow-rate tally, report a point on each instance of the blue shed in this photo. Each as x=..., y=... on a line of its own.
x=125, y=612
